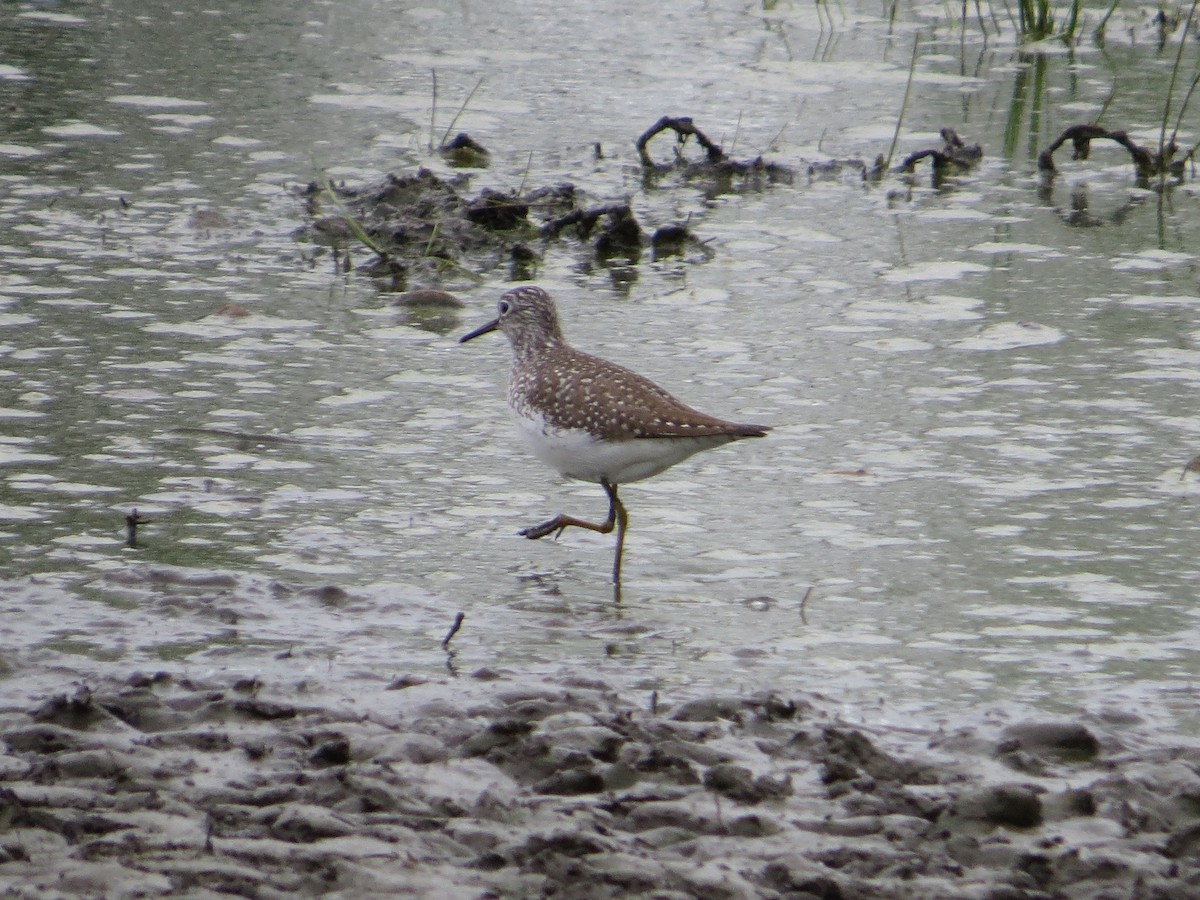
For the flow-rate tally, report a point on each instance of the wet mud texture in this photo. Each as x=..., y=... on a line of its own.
x=492, y=786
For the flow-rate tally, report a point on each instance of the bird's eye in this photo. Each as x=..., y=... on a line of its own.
x=505, y=306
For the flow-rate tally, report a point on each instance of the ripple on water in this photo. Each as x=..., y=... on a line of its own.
x=80, y=130
x=934, y=308
x=150, y=101
x=1151, y=260
x=1011, y=335
x=932, y=271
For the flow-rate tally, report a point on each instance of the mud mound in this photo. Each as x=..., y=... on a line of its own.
x=492, y=786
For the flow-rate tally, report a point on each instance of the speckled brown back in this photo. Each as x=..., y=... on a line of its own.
x=571, y=389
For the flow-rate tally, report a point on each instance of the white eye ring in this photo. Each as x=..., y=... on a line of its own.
x=505, y=306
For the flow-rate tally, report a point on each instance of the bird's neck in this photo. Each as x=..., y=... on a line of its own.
x=529, y=346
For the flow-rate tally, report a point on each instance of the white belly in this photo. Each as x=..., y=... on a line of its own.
x=576, y=454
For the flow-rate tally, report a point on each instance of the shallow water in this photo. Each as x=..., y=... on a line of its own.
x=983, y=393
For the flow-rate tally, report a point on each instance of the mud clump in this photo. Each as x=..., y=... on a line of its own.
x=423, y=229
x=495, y=786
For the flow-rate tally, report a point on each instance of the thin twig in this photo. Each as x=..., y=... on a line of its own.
x=525, y=175
x=355, y=228
x=461, y=110
x=912, y=67
x=1187, y=98
x=1098, y=32
x=1112, y=95
x=804, y=605
x=432, y=237
x=432, y=109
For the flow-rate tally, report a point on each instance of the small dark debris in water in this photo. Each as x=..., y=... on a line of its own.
x=673, y=240
x=464, y=152
x=1193, y=465
x=234, y=311
x=954, y=156
x=132, y=521
x=428, y=298
x=670, y=239
x=715, y=163
x=1146, y=163
x=620, y=236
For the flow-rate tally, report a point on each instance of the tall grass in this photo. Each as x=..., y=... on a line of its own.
x=1166, y=149
x=1036, y=20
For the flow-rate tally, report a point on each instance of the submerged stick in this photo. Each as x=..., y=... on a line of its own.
x=804, y=605
x=132, y=521
x=1081, y=137
x=683, y=128
x=458, y=620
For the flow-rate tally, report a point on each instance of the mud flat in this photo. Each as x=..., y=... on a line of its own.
x=496, y=785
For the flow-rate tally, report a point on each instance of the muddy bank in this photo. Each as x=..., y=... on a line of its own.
x=495, y=786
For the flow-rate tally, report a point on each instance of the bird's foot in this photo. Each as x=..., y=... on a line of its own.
x=533, y=532
x=561, y=523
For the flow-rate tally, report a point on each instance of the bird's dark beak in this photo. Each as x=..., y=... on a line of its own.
x=482, y=329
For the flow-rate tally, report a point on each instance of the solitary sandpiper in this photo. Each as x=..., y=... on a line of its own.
x=592, y=419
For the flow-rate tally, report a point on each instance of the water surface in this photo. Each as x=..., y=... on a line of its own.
x=983, y=392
